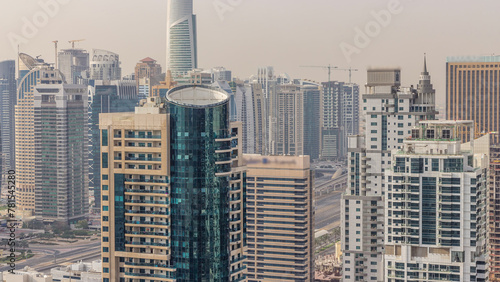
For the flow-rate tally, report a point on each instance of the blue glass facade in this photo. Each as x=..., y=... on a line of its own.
x=105, y=100
x=200, y=191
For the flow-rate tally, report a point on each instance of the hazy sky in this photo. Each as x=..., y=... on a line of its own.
x=243, y=35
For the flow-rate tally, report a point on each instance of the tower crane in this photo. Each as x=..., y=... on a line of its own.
x=73, y=42
x=330, y=68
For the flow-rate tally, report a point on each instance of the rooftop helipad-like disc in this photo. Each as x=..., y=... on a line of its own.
x=197, y=96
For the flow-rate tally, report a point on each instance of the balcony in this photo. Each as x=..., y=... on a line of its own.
x=146, y=275
x=148, y=202
x=162, y=192
x=154, y=244
x=143, y=159
x=148, y=212
x=139, y=222
x=146, y=180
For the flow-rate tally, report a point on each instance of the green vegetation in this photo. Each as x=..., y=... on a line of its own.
x=83, y=224
x=24, y=255
x=326, y=247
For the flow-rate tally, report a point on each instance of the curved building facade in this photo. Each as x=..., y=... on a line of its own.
x=24, y=126
x=181, y=37
x=200, y=165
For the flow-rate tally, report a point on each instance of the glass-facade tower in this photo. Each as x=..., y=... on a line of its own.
x=200, y=162
x=105, y=99
x=181, y=37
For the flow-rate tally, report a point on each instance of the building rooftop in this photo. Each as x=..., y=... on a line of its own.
x=148, y=59
x=197, y=95
x=473, y=59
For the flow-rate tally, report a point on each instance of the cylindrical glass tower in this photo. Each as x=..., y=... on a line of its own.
x=200, y=164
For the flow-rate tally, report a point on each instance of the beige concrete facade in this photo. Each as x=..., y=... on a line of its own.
x=25, y=132
x=147, y=221
x=280, y=218
x=472, y=93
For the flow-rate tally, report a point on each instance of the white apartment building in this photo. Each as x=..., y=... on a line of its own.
x=390, y=112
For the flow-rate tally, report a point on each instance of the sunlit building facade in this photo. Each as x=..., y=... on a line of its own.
x=173, y=190
x=182, y=53
x=280, y=216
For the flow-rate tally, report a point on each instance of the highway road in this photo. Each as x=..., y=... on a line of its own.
x=327, y=214
x=44, y=257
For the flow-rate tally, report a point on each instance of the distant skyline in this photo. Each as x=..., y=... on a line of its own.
x=247, y=34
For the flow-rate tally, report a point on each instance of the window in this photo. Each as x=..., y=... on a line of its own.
x=105, y=229
x=400, y=117
x=104, y=135
x=105, y=249
x=400, y=125
x=104, y=177
x=105, y=239
x=435, y=164
x=104, y=160
x=105, y=269
x=105, y=208
x=400, y=133
x=430, y=133
x=374, y=116
x=104, y=198
x=105, y=187
x=105, y=218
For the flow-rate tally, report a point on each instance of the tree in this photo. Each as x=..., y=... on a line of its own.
x=60, y=227
x=83, y=224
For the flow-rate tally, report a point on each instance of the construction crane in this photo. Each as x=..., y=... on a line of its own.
x=55, y=43
x=73, y=42
x=329, y=68
x=350, y=70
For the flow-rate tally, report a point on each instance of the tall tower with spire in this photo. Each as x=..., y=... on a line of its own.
x=181, y=37
x=426, y=93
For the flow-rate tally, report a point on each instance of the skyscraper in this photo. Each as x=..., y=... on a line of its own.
x=73, y=64
x=331, y=135
x=280, y=218
x=105, y=97
x=182, y=53
x=430, y=206
x=473, y=92
x=350, y=111
x=34, y=72
x=390, y=111
x=312, y=119
x=340, y=117
x=287, y=109
x=61, y=152
x=105, y=65
x=173, y=190
x=7, y=127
